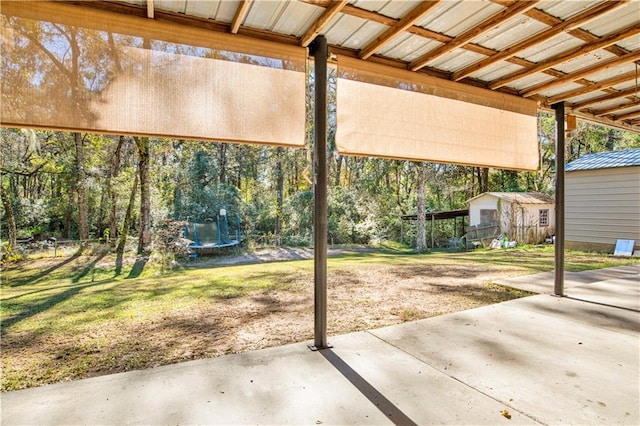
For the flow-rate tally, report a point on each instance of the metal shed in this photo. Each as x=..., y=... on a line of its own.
x=603, y=200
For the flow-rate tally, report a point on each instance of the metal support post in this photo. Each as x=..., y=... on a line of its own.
x=558, y=287
x=320, y=54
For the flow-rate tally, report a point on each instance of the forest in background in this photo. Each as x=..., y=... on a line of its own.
x=87, y=187
x=115, y=189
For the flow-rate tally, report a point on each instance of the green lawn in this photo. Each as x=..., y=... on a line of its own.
x=70, y=317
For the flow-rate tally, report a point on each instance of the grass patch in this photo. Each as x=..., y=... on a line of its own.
x=72, y=317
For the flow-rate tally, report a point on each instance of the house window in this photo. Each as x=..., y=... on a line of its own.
x=488, y=215
x=544, y=217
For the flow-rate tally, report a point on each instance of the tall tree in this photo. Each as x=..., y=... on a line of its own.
x=279, y=195
x=113, y=193
x=81, y=189
x=421, y=243
x=144, y=241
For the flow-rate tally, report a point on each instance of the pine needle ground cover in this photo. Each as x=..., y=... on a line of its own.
x=74, y=317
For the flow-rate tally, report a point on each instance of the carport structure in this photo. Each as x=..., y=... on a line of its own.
x=444, y=81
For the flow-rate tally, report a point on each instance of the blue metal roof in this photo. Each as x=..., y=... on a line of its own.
x=606, y=160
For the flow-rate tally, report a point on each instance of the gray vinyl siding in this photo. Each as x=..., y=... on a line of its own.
x=602, y=205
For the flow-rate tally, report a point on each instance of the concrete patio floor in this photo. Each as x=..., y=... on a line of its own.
x=542, y=359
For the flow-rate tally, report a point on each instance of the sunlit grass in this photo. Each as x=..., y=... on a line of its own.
x=82, y=304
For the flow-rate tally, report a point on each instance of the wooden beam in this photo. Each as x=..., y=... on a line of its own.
x=504, y=15
x=548, y=34
x=332, y=10
x=600, y=66
x=592, y=88
x=241, y=14
x=402, y=25
x=150, y=11
x=632, y=114
x=633, y=91
x=616, y=108
x=623, y=34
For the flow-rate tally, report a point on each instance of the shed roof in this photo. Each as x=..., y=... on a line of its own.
x=519, y=197
x=606, y=160
x=584, y=53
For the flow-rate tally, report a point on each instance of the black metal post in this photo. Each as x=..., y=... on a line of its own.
x=558, y=287
x=320, y=55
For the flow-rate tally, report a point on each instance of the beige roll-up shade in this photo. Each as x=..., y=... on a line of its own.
x=392, y=113
x=77, y=72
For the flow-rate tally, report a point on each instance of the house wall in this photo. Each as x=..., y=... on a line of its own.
x=528, y=225
x=523, y=217
x=484, y=202
x=602, y=206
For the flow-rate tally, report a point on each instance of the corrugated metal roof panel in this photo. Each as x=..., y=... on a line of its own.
x=397, y=9
x=510, y=33
x=496, y=71
x=551, y=48
x=561, y=89
x=179, y=6
x=297, y=18
x=612, y=72
x=454, y=18
x=403, y=46
x=531, y=81
x=613, y=21
x=606, y=160
x=584, y=61
x=628, y=85
x=587, y=97
x=341, y=27
x=208, y=10
x=566, y=9
x=606, y=104
x=456, y=60
x=364, y=34
x=424, y=49
x=264, y=14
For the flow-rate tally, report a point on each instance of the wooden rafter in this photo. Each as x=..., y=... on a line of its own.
x=241, y=14
x=504, y=15
x=604, y=84
x=150, y=11
x=402, y=25
x=620, y=94
x=555, y=30
x=625, y=33
x=332, y=10
x=600, y=66
x=617, y=108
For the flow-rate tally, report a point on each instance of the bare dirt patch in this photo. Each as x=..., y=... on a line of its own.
x=363, y=298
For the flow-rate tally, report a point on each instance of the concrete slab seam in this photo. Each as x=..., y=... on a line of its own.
x=506, y=404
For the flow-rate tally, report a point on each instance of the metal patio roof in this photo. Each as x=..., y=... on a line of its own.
x=606, y=160
x=585, y=53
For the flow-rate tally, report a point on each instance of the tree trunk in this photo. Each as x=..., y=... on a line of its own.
x=115, y=171
x=279, y=195
x=7, y=202
x=339, y=160
x=483, y=180
x=421, y=237
x=126, y=223
x=144, y=242
x=222, y=163
x=81, y=189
